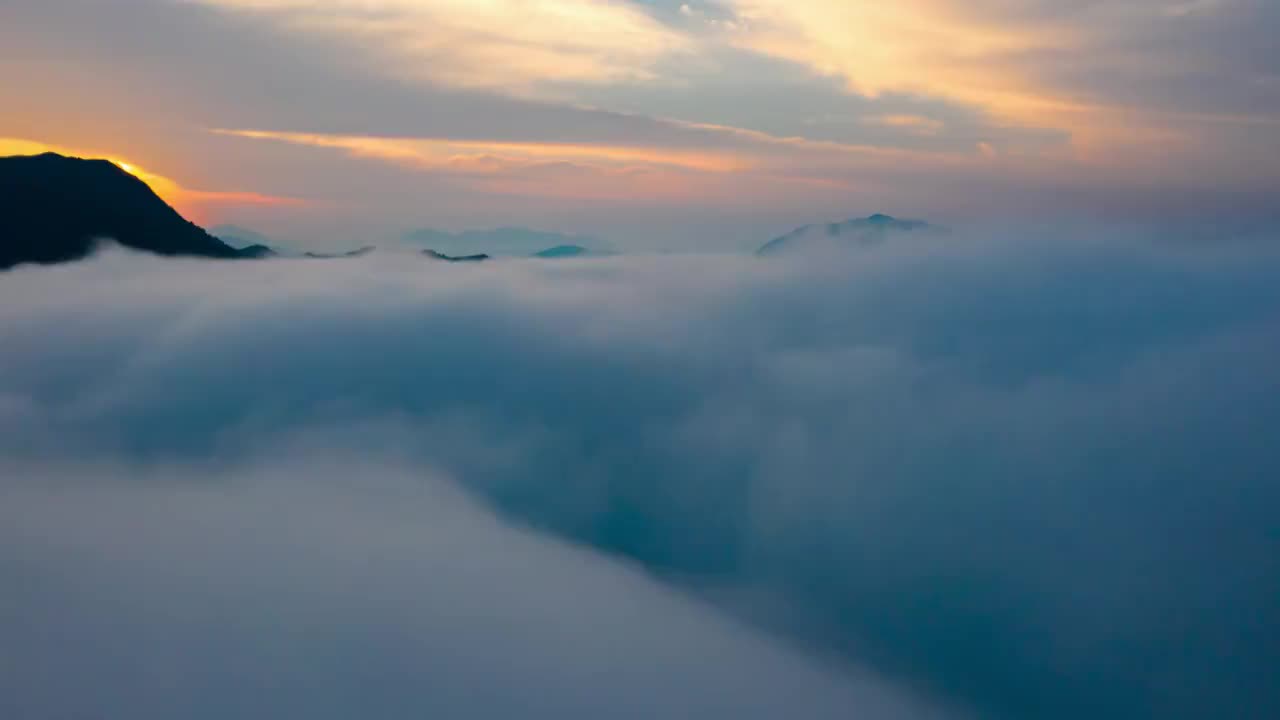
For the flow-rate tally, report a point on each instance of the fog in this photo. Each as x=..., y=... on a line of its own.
x=1003, y=477
x=325, y=587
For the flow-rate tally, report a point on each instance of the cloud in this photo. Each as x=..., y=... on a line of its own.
x=1007, y=57
x=513, y=45
x=1015, y=476
x=326, y=587
x=730, y=166
x=1174, y=108
x=1134, y=84
x=471, y=157
x=928, y=46
x=636, y=173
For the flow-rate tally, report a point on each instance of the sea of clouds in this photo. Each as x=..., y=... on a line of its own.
x=996, y=478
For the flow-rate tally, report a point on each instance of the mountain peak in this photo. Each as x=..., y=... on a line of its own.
x=562, y=251
x=434, y=255
x=870, y=230
x=501, y=241
x=56, y=207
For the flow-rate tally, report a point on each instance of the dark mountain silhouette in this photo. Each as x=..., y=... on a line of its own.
x=455, y=258
x=53, y=209
x=338, y=256
x=863, y=231
x=246, y=240
x=257, y=252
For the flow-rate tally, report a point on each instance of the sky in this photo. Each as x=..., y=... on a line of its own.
x=656, y=124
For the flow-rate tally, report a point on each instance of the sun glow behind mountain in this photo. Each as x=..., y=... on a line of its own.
x=199, y=205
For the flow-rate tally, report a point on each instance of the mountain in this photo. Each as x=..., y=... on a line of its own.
x=512, y=242
x=258, y=252
x=54, y=208
x=360, y=252
x=863, y=231
x=563, y=251
x=240, y=237
x=251, y=241
x=455, y=258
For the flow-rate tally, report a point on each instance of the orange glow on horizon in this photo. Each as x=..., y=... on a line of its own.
x=191, y=203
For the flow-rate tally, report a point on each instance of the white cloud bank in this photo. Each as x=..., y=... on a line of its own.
x=322, y=588
x=1026, y=479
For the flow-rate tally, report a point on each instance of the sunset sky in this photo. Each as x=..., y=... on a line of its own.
x=582, y=375
x=659, y=123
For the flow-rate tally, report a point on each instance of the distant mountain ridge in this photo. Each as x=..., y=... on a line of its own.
x=257, y=252
x=246, y=240
x=562, y=251
x=862, y=231
x=455, y=258
x=54, y=208
x=507, y=241
x=358, y=252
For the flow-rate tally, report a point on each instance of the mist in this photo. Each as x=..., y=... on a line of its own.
x=320, y=586
x=992, y=476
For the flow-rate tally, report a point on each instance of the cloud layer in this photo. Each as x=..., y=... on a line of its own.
x=494, y=44
x=1026, y=478
x=321, y=587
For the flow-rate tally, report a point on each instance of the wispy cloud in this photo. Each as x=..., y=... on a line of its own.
x=934, y=47
x=1080, y=70
x=736, y=164
x=512, y=45
x=1010, y=58
x=491, y=156
x=940, y=103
